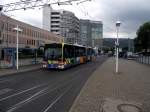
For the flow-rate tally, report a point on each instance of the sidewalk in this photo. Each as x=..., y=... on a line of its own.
x=105, y=91
x=9, y=71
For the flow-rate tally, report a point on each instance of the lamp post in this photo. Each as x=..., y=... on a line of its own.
x=117, y=45
x=17, y=41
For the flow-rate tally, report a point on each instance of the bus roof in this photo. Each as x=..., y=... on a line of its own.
x=59, y=45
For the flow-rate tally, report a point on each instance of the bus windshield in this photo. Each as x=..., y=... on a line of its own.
x=52, y=53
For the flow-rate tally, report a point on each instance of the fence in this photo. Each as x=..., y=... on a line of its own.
x=143, y=59
x=22, y=62
x=27, y=56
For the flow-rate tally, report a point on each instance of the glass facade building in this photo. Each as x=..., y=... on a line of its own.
x=91, y=33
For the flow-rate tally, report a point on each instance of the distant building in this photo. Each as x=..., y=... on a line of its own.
x=85, y=32
x=97, y=33
x=61, y=22
x=91, y=33
x=124, y=43
x=30, y=37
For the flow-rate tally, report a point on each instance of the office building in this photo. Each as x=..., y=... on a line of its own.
x=97, y=33
x=91, y=33
x=61, y=22
x=30, y=36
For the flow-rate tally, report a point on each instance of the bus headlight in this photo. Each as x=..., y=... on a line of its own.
x=61, y=66
x=44, y=66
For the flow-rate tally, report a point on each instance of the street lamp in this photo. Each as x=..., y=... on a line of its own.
x=18, y=30
x=118, y=23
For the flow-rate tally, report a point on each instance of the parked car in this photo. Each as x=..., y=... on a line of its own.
x=131, y=55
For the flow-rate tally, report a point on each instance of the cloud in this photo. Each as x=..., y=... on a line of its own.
x=132, y=14
x=30, y=16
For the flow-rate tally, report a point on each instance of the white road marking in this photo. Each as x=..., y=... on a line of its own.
x=21, y=92
x=5, y=98
x=18, y=105
x=6, y=90
x=33, y=97
x=57, y=99
x=36, y=95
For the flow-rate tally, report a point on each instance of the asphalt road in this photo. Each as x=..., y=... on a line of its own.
x=44, y=90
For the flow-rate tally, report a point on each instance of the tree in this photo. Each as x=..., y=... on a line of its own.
x=142, y=41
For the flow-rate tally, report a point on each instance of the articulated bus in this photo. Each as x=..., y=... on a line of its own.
x=61, y=55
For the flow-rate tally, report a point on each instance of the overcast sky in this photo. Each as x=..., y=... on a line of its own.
x=131, y=13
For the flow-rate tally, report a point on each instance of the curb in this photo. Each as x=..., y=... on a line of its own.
x=18, y=72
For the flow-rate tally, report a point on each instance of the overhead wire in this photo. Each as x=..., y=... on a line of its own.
x=87, y=14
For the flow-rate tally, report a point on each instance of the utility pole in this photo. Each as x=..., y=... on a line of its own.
x=1, y=40
x=117, y=45
x=17, y=42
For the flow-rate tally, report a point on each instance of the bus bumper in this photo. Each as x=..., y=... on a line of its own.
x=55, y=66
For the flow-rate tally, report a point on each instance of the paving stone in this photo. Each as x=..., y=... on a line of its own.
x=131, y=86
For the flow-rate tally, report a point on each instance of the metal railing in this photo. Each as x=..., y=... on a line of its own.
x=22, y=62
x=143, y=59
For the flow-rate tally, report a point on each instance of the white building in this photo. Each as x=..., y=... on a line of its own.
x=61, y=22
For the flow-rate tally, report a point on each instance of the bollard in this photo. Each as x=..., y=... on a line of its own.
x=142, y=59
x=147, y=60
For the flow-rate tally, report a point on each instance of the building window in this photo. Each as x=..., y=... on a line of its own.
x=55, y=13
x=54, y=30
x=9, y=38
x=55, y=17
x=6, y=26
x=27, y=42
x=55, y=21
x=55, y=26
